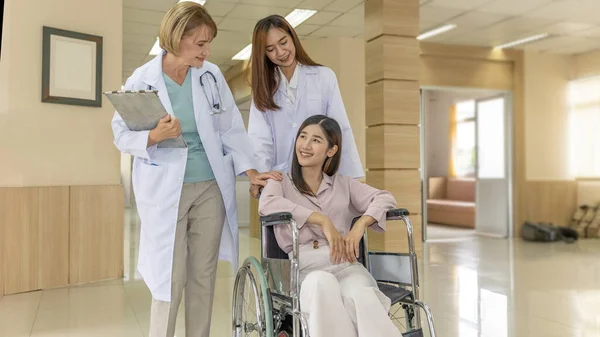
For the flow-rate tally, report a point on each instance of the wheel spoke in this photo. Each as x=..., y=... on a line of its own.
x=248, y=305
x=398, y=320
x=395, y=312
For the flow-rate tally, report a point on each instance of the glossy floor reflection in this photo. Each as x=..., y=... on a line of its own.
x=475, y=287
x=437, y=233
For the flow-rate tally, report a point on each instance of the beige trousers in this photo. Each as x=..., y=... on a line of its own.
x=195, y=258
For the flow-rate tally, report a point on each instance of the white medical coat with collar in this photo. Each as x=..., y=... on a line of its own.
x=273, y=132
x=158, y=172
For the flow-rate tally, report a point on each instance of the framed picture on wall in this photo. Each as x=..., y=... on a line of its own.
x=71, y=68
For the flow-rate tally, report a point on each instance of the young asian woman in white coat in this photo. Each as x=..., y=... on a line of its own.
x=288, y=87
x=186, y=196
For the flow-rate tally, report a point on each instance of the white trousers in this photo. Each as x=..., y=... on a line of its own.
x=341, y=300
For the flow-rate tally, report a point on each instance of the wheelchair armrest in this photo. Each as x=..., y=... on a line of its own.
x=397, y=213
x=276, y=219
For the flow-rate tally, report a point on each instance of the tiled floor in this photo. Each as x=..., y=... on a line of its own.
x=475, y=287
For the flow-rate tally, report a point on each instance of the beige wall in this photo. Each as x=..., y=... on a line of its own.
x=45, y=144
x=588, y=192
x=546, y=116
x=346, y=57
x=587, y=64
x=47, y=222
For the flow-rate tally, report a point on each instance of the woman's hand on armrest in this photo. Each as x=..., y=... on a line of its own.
x=352, y=240
x=336, y=241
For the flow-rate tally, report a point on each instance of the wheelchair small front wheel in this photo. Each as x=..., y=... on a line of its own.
x=252, y=309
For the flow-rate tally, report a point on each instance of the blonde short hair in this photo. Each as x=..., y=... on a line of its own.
x=181, y=20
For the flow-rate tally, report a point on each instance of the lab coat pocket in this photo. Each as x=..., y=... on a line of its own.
x=221, y=122
x=315, y=105
x=148, y=180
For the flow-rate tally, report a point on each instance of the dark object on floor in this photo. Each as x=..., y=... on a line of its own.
x=546, y=232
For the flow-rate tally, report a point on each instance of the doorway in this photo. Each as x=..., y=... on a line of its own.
x=465, y=159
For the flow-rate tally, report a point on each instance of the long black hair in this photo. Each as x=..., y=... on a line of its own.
x=333, y=135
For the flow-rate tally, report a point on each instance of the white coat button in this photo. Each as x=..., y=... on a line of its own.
x=179, y=178
x=287, y=101
x=294, y=125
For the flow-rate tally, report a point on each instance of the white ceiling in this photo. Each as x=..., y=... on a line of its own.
x=575, y=24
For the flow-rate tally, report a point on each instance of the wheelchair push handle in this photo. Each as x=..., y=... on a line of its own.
x=397, y=213
x=276, y=219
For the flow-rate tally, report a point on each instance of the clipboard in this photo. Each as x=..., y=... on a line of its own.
x=141, y=110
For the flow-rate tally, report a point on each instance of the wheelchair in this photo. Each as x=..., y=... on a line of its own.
x=266, y=293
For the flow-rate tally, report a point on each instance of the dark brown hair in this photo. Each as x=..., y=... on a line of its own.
x=333, y=135
x=264, y=79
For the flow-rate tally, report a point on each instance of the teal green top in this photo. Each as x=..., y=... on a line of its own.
x=198, y=168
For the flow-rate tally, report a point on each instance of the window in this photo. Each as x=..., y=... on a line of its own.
x=584, y=121
x=463, y=152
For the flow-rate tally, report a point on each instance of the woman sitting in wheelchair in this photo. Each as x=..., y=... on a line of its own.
x=338, y=295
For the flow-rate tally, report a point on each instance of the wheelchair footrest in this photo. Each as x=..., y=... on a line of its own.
x=414, y=333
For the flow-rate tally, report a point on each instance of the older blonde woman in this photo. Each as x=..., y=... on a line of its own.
x=186, y=196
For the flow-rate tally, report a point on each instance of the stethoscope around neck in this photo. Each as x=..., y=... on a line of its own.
x=215, y=107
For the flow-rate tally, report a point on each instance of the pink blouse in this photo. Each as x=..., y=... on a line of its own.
x=340, y=198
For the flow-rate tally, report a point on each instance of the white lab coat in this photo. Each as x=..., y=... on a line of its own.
x=273, y=132
x=158, y=172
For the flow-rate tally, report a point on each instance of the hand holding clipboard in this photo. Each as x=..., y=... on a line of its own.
x=142, y=110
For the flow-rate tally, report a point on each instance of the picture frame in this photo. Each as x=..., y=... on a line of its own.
x=1, y=24
x=71, y=68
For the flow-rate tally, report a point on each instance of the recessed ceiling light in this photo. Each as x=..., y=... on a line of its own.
x=523, y=41
x=298, y=16
x=155, y=48
x=295, y=18
x=436, y=31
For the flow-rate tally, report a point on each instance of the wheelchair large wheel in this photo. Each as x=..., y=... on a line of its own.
x=252, y=308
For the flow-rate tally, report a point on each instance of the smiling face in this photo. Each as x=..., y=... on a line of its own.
x=313, y=148
x=194, y=48
x=280, y=48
